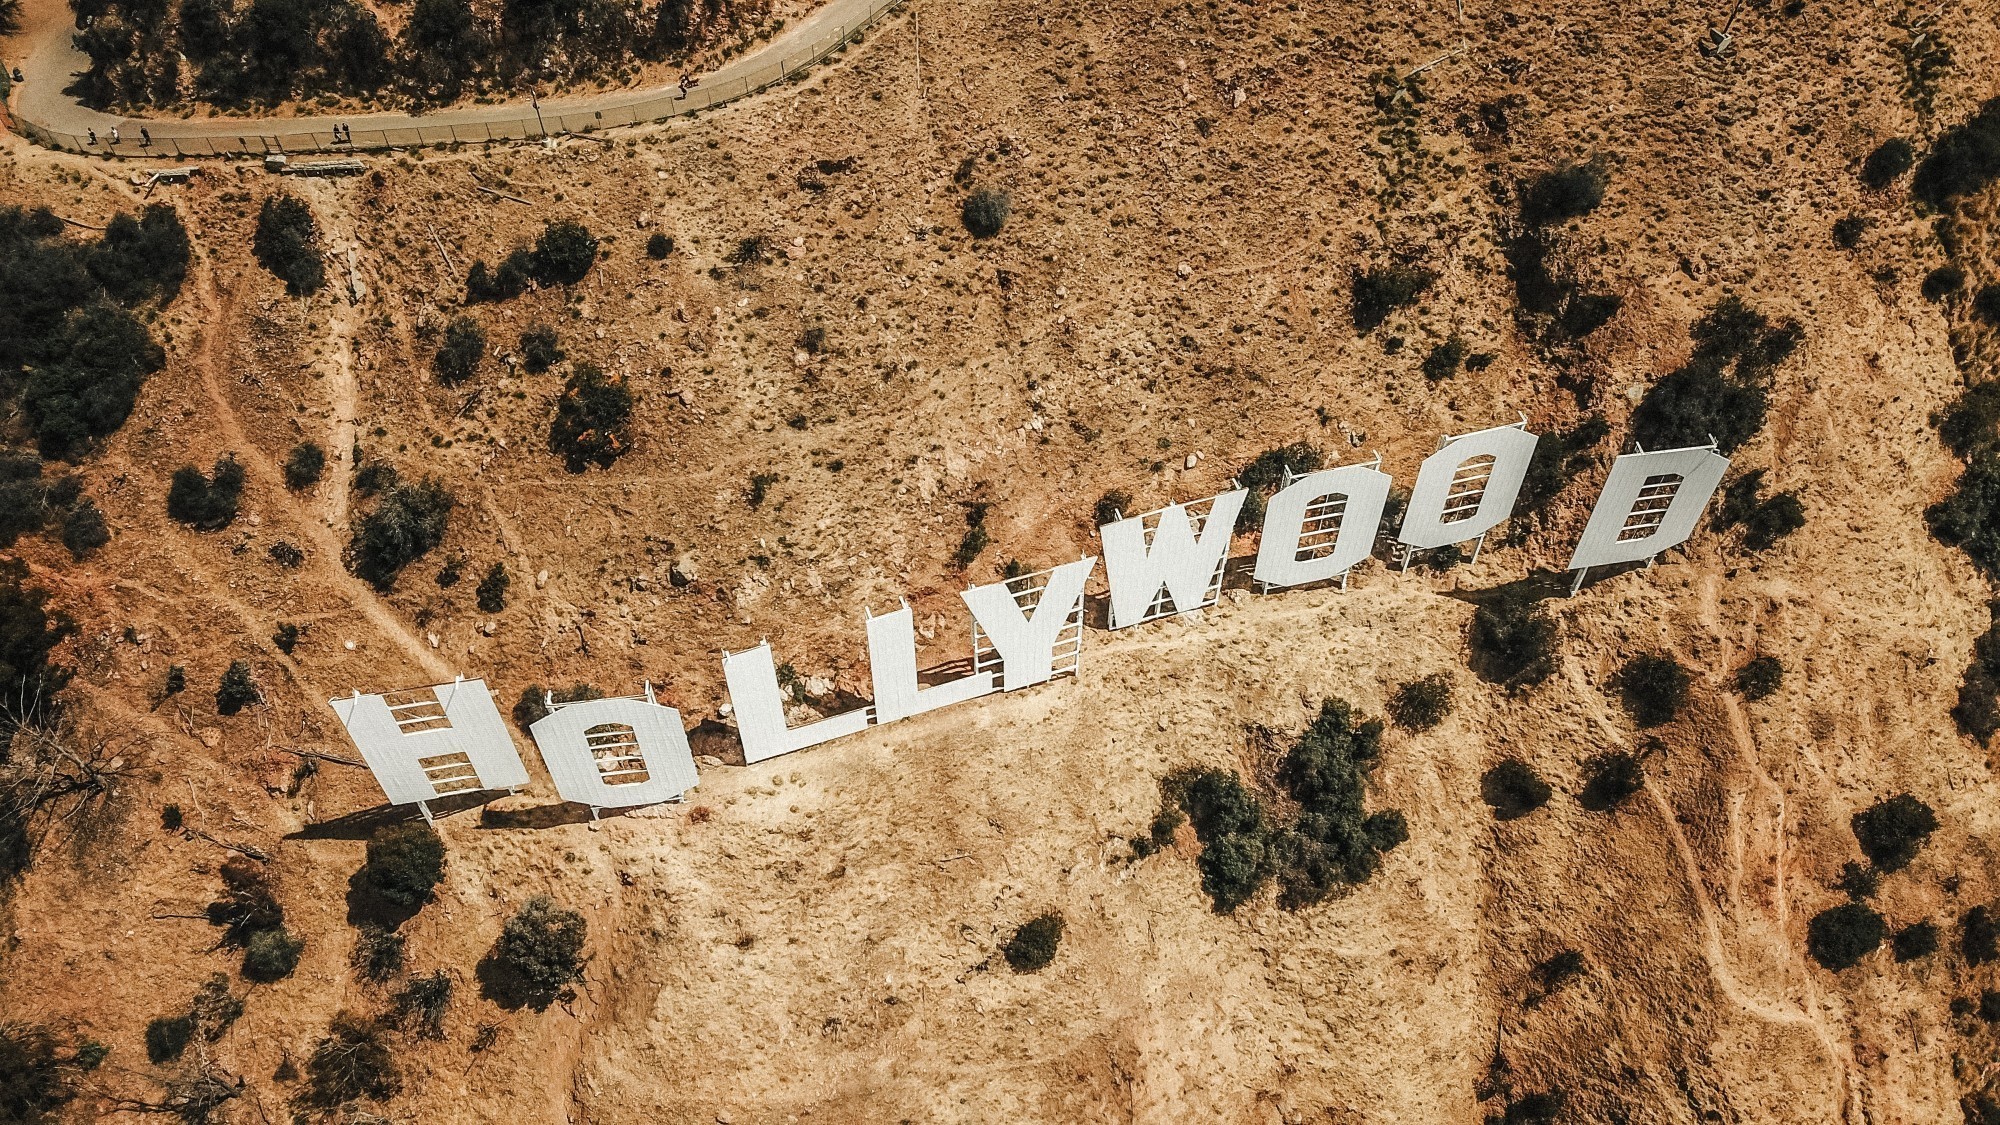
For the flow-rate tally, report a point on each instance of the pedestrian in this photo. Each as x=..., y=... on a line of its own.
x=145, y=137
x=114, y=135
x=93, y=136
x=684, y=86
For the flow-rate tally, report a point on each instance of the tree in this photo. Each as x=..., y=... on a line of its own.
x=1760, y=678
x=351, y=1061
x=421, y=1004
x=1914, y=941
x=31, y=1081
x=1265, y=475
x=405, y=863
x=1111, y=507
x=237, y=690
x=464, y=346
x=564, y=253
x=1609, y=778
x=1969, y=518
x=167, y=1037
x=1653, y=688
x=1965, y=159
x=439, y=46
x=589, y=427
x=1721, y=392
x=91, y=368
x=271, y=955
x=304, y=465
x=1889, y=160
x=141, y=258
x=540, y=349
x=1445, y=359
x=1381, y=290
x=410, y=521
x=287, y=244
x=1513, y=789
x=28, y=634
x=357, y=49
x=492, y=589
x=206, y=503
x=1838, y=938
x=659, y=247
x=538, y=956
x=1891, y=832
x=1565, y=193
x=1034, y=943
x=84, y=531
x=1512, y=641
x=985, y=212
x=1423, y=703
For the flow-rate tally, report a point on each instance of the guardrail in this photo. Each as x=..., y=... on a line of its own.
x=642, y=109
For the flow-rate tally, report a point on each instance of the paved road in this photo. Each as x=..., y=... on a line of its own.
x=49, y=60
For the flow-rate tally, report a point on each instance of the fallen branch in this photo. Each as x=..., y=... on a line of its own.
x=504, y=195
x=322, y=756
x=76, y=223
x=252, y=851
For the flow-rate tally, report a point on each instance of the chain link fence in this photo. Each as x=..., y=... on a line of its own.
x=635, y=109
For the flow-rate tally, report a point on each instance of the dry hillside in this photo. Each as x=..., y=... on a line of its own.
x=1193, y=188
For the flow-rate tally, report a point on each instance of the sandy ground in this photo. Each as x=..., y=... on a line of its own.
x=820, y=945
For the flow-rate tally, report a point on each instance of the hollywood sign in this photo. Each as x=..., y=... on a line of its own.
x=622, y=752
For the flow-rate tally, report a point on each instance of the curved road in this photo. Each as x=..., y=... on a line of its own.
x=49, y=60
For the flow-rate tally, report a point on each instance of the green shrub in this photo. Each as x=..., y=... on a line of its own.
x=985, y=212
x=1965, y=159
x=1445, y=359
x=1381, y=290
x=1847, y=231
x=351, y=1061
x=1266, y=475
x=206, y=503
x=1986, y=304
x=1979, y=937
x=1889, y=160
x=167, y=1037
x=1422, y=704
x=505, y=283
x=1111, y=507
x=408, y=523
x=659, y=246
x=1653, y=688
x=1513, y=789
x=1558, y=458
x=1891, y=832
x=237, y=690
x=378, y=953
x=532, y=707
x=1562, y=194
x=1838, y=938
x=1512, y=641
x=405, y=863
x=589, y=427
x=1610, y=778
x=1033, y=945
x=540, y=349
x=1914, y=941
x=1942, y=282
x=760, y=487
x=492, y=589
x=215, y=1008
x=84, y=531
x=286, y=638
x=539, y=954
x=1721, y=392
x=1760, y=678
x=287, y=244
x=464, y=347
x=1969, y=518
x=271, y=955
x=1543, y=1108
x=247, y=904
x=564, y=253
x=90, y=369
x=1970, y=422
x=304, y=465
x=138, y=259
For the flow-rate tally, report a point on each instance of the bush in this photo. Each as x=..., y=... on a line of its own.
x=1969, y=423
x=1917, y=940
x=1266, y=475
x=137, y=259
x=540, y=349
x=532, y=707
x=1513, y=789
x=1331, y=843
x=1513, y=642
x=1847, y=232
x=350, y=1062
x=1653, y=688
x=422, y=1003
x=1543, y=1108
x=1609, y=778
x=492, y=589
x=1722, y=391
x=1445, y=359
x=1965, y=159
x=464, y=346
x=659, y=246
x=304, y=465
x=1942, y=282
x=247, y=904
x=1838, y=938
x=286, y=638
x=1986, y=304
x=506, y=283
x=564, y=253
x=405, y=862
x=1112, y=507
x=1563, y=194
x=1969, y=518
x=589, y=427
x=1422, y=704
x=1890, y=159
x=206, y=503
x=1891, y=832
x=985, y=212
x=1382, y=290
x=1979, y=937
x=1760, y=678
x=539, y=954
x=378, y=953
x=84, y=531
x=1558, y=458
x=90, y=369
x=408, y=523
x=237, y=690
x=1033, y=945
x=271, y=955
x=167, y=1037
x=287, y=244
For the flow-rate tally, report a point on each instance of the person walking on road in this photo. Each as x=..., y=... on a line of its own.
x=114, y=135
x=145, y=137
x=93, y=136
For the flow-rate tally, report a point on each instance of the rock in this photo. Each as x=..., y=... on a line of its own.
x=1635, y=393
x=1184, y=269
x=209, y=736
x=682, y=573
x=432, y=638
x=1191, y=461
x=1237, y=99
x=541, y=579
x=708, y=760
x=349, y=645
